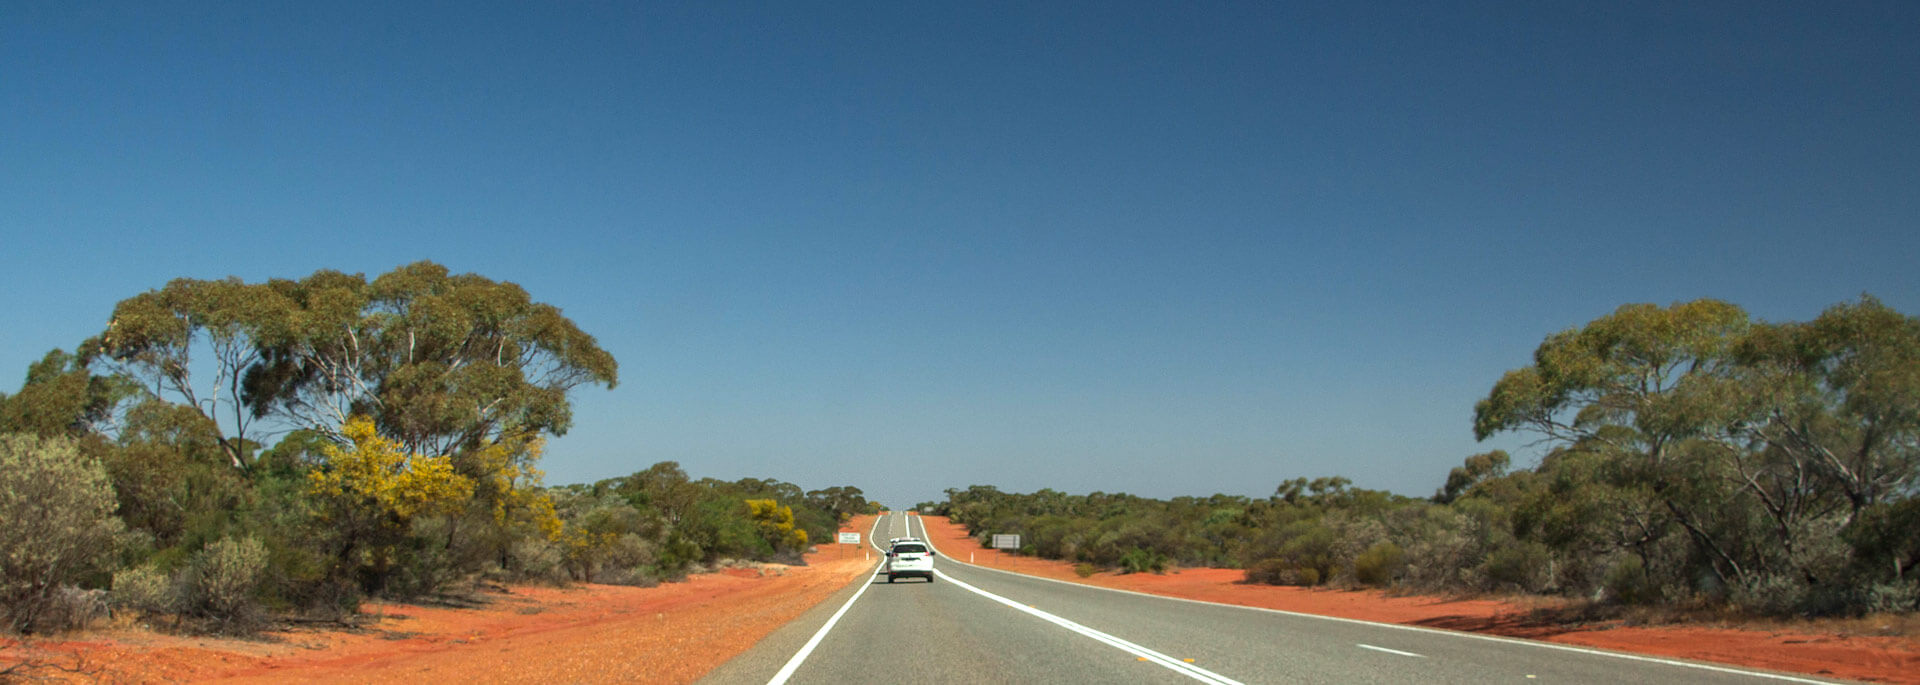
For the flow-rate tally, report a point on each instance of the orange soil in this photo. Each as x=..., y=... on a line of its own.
x=673, y=633
x=1883, y=659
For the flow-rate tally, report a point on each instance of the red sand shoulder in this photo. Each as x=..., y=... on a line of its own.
x=1882, y=659
x=672, y=633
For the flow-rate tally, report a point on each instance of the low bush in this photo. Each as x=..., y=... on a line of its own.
x=1626, y=582
x=1139, y=560
x=144, y=590
x=1282, y=572
x=1772, y=594
x=220, y=583
x=56, y=527
x=629, y=561
x=540, y=560
x=1889, y=598
x=1521, y=566
x=71, y=608
x=1379, y=565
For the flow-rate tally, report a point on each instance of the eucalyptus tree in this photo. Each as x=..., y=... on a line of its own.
x=1762, y=442
x=1838, y=403
x=60, y=398
x=444, y=364
x=1837, y=459
x=1638, y=386
x=844, y=501
x=1477, y=469
x=459, y=370
x=163, y=338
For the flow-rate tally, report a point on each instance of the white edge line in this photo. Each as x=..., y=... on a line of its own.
x=1389, y=651
x=800, y=657
x=1422, y=629
x=1176, y=665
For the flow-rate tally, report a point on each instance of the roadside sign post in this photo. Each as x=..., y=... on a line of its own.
x=1003, y=541
x=848, y=539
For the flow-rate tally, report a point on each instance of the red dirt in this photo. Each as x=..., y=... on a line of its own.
x=1825, y=653
x=673, y=633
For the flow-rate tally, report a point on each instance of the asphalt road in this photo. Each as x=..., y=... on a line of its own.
x=977, y=625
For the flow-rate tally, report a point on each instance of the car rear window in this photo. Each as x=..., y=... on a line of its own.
x=909, y=549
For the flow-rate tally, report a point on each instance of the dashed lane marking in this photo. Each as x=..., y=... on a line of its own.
x=1391, y=651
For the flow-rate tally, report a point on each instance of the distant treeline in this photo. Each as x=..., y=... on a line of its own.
x=1696, y=456
x=225, y=451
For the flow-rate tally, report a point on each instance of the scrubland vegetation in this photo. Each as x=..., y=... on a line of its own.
x=225, y=452
x=1696, y=457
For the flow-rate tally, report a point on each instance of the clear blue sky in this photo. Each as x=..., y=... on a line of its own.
x=1159, y=248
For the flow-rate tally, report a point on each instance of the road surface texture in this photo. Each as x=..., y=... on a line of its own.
x=978, y=625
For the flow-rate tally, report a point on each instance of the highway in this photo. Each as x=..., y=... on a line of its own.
x=978, y=625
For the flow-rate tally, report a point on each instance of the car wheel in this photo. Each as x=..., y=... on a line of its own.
x=889, y=577
x=929, y=577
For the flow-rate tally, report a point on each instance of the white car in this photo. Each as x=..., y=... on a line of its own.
x=909, y=557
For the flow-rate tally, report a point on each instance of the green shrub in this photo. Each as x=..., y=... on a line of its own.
x=144, y=589
x=676, y=555
x=1308, y=550
x=539, y=559
x=629, y=561
x=1627, y=582
x=1768, y=593
x=1085, y=570
x=1891, y=598
x=418, y=567
x=56, y=527
x=1282, y=572
x=1139, y=560
x=221, y=580
x=1522, y=566
x=1379, y=565
x=296, y=579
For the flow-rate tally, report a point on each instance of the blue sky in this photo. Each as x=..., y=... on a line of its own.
x=1160, y=248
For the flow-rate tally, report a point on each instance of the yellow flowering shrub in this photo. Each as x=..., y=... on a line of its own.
x=776, y=524
x=377, y=473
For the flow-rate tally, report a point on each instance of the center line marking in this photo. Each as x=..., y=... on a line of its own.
x=1392, y=651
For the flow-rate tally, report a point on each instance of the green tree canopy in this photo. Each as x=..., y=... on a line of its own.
x=1761, y=441
x=442, y=363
